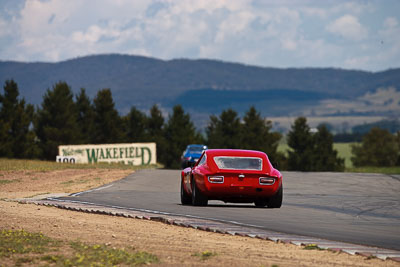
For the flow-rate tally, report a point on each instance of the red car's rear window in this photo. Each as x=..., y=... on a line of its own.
x=238, y=163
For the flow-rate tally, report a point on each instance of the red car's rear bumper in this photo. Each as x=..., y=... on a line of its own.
x=241, y=188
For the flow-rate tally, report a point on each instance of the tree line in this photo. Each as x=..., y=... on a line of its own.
x=64, y=118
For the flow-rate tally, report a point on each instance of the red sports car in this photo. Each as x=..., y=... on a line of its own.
x=232, y=175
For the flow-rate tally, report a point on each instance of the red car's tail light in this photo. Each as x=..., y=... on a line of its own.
x=216, y=179
x=267, y=180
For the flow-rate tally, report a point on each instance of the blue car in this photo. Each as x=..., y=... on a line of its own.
x=191, y=154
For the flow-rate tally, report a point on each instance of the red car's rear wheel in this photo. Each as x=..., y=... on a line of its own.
x=185, y=198
x=272, y=202
x=276, y=200
x=198, y=198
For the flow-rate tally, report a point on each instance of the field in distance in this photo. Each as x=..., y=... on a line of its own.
x=344, y=151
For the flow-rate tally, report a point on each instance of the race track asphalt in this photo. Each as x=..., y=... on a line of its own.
x=350, y=207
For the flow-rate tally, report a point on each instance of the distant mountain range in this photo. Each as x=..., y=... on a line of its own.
x=208, y=86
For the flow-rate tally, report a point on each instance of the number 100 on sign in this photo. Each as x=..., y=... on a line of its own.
x=65, y=159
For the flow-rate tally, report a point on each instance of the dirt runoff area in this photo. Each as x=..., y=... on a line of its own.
x=173, y=245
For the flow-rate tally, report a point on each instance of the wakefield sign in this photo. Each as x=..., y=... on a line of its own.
x=132, y=154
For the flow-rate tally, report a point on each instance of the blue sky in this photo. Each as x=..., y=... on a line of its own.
x=342, y=34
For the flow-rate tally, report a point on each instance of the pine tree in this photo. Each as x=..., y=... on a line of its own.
x=312, y=152
x=56, y=122
x=301, y=144
x=213, y=132
x=108, y=128
x=135, y=123
x=379, y=148
x=325, y=157
x=16, y=135
x=179, y=132
x=8, y=103
x=155, y=129
x=225, y=131
x=155, y=123
x=257, y=135
x=398, y=145
x=85, y=118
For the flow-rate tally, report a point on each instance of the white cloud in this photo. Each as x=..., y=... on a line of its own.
x=266, y=33
x=348, y=27
x=355, y=8
x=140, y=51
x=391, y=22
x=210, y=6
x=289, y=44
x=4, y=29
x=355, y=62
x=235, y=24
x=390, y=35
x=94, y=34
x=315, y=11
x=34, y=17
x=388, y=43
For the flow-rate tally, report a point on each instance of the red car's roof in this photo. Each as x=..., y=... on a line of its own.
x=235, y=152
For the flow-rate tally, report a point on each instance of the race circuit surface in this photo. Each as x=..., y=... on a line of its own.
x=350, y=207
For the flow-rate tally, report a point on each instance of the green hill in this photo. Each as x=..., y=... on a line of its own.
x=212, y=84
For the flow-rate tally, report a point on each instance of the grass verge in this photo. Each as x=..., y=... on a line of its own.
x=21, y=242
x=368, y=169
x=18, y=247
x=312, y=247
x=205, y=255
x=38, y=165
x=9, y=181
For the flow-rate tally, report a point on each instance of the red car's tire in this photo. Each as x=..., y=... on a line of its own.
x=198, y=198
x=276, y=200
x=185, y=198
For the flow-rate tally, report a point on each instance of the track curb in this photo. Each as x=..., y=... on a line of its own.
x=224, y=228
